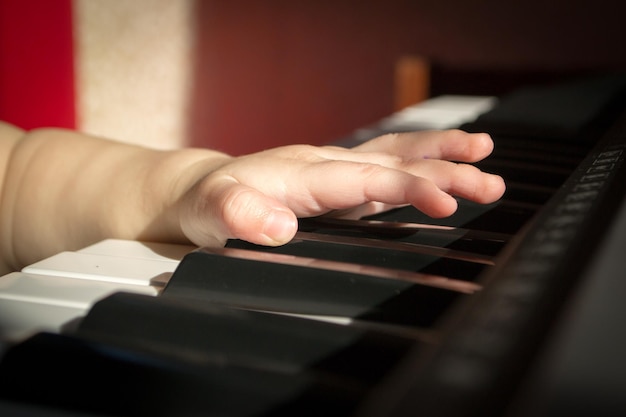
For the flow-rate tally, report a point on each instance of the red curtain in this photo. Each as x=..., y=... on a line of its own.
x=37, y=63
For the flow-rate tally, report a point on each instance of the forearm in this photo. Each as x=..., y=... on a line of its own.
x=67, y=190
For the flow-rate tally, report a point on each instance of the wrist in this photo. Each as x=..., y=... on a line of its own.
x=168, y=180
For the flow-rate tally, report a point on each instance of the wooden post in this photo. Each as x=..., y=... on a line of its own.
x=412, y=81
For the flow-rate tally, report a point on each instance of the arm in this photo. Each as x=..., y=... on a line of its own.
x=64, y=190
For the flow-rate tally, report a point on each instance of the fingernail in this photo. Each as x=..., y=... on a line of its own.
x=280, y=226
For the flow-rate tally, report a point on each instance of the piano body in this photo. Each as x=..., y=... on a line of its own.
x=511, y=309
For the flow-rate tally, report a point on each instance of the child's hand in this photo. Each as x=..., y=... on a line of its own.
x=258, y=197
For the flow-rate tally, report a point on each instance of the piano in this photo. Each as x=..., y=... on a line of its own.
x=510, y=309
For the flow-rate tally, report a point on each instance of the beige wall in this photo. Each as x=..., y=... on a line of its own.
x=133, y=69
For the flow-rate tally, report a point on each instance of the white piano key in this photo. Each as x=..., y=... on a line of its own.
x=124, y=270
x=20, y=319
x=62, y=291
x=50, y=293
x=464, y=104
x=443, y=112
x=136, y=249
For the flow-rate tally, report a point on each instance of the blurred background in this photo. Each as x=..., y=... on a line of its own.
x=243, y=75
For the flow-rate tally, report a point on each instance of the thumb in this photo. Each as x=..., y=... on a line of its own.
x=235, y=211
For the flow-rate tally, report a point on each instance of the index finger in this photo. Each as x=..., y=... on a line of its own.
x=452, y=145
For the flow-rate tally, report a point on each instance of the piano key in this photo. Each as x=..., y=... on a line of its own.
x=120, y=248
x=499, y=217
x=456, y=238
x=398, y=229
x=523, y=192
x=537, y=149
x=124, y=270
x=382, y=260
x=526, y=172
x=561, y=154
x=21, y=319
x=52, y=301
x=382, y=257
x=442, y=112
x=51, y=370
x=49, y=303
x=202, y=332
x=62, y=291
x=380, y=244
x=269, y=285
x=284, y=256
x=565, y=113
x=15, y=409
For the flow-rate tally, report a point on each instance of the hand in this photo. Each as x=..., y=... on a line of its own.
x=258, y=197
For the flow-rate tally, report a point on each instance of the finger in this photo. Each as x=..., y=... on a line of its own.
x=452, y=145
x=463, y=180
x=354, y=184
x=222, y=209
x=460, y=180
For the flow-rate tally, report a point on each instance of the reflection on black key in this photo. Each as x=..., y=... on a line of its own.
x=465, y=214
x=422, y=232
x=454, y=269
x=500, y=217
x=456, y=238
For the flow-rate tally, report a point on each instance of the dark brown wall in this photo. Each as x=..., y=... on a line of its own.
x=310, y=71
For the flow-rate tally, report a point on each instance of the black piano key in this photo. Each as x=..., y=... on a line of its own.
x=440, y=235
x=564, y=155
x=401, y=307
x=507, y=218
x=461, y=269
x=479, y=242
x=528, y=193
x=569, y=113
x=272, y=286
x=201, y=332
x=455, y=269
x=500, y=217
x=527, y=172
x=465, y=214
x=414, y=307
x=399, y=254
x=20, y=409
x=67, y=373
x=463, y=240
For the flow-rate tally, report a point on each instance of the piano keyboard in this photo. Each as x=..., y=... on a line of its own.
x=394, y=314
x=54, y=291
